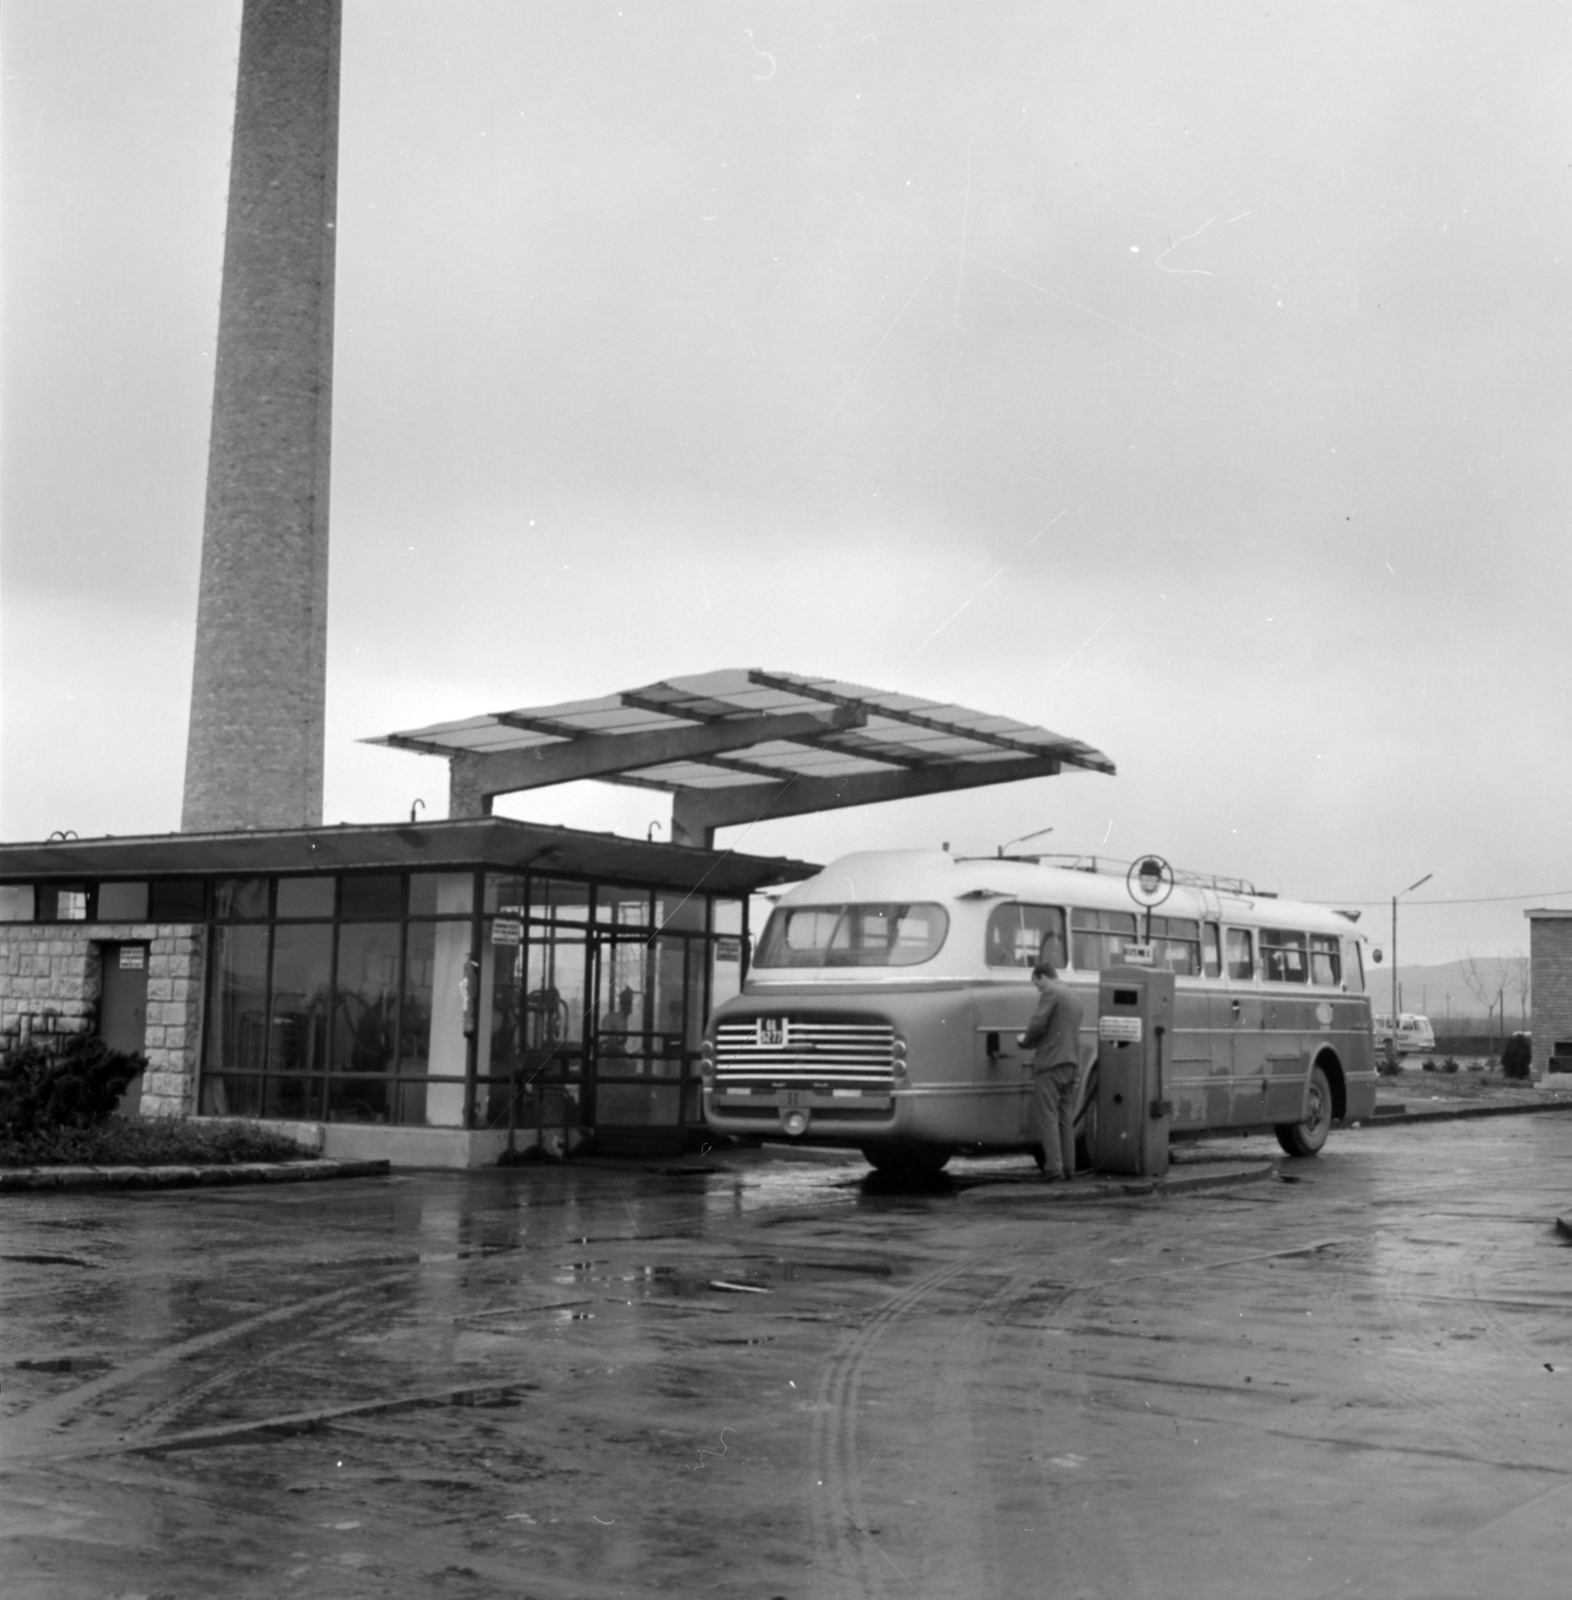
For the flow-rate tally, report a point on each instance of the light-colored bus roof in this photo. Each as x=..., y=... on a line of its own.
x=883, y=876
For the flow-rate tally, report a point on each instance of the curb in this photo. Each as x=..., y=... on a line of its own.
x=30, y=1180
x=1385, y=1118
x=1080, y=1191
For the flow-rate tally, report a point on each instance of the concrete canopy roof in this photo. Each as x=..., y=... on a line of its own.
x=498, y=843
x=742, y=743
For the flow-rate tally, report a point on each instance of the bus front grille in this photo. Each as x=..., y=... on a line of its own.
x=766, y=1052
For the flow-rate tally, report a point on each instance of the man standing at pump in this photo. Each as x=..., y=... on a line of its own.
x=1054, y=1037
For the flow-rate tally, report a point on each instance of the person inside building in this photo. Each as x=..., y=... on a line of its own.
x=615, y=1026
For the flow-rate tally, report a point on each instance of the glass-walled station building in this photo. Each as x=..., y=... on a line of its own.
x=452, y=985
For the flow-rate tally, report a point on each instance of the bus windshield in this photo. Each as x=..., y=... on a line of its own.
x=863, y=935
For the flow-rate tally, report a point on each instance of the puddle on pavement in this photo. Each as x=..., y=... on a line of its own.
x=89, y=1365
x=747, y=1276
x=45, y=1258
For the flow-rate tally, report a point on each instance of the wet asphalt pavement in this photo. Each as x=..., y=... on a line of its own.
x=787, y=1379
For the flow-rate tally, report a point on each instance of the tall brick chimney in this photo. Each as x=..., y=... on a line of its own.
x=254, y=750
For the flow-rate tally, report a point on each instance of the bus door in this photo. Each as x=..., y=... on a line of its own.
x=1245, y=1025
x=1218, y=1049
x=635, y=1047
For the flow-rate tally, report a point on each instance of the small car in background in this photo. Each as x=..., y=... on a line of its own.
x=1414, y=1034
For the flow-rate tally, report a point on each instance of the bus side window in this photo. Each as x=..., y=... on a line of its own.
x=1098, y=938
x=1326, y=963
x=1211, y=950
x=1355, y=966
x=1240, y=964
x=1021, y=936
x=1283, y=955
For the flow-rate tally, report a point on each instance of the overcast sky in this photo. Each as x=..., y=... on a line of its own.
x=1188, y=378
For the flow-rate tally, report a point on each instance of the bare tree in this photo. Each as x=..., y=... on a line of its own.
x=1489, y=989
x=1517, y=981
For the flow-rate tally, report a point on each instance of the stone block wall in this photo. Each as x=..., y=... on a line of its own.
x=51, y=981
x=1550, y=984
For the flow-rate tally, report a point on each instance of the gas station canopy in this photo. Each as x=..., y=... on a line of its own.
x=741, y=744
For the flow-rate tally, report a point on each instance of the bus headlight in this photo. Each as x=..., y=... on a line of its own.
x=898, y=1057
x=707, y=1061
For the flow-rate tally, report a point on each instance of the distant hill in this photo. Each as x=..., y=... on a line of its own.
x=1443, y=990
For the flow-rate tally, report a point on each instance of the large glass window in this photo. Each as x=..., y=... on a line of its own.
x=445, y=894
x=365, y=1020
x=866, y=935
x=1241, y=962
x=669, y=1002
x=236, y=1022
x=305, y=897
x=379, y=896
x=431, y=1024
x=1098, y=938
x=506, y=893
x=298, y=1016
x=63, y=902
x=1021, y=936
x=122, y=902
x=627, y=908
x=1211, y=950
x=1283, y=956
x=240, y=899
x=177, y=900
x=559, y=900
x=676, y=910
x=16, y=902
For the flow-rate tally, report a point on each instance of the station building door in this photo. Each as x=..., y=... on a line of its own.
x=122, y=1009
x=647, y=1019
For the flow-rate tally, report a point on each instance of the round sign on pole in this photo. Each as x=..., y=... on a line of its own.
x=1150, y=881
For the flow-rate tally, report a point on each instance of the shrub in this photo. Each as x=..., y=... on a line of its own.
x=1450, y=1064
x=1516, y=1058
x=1388, y=1062
x=152, y=1142
x=76, y=1086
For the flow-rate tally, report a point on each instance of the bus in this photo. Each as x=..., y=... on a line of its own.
x=884, y=997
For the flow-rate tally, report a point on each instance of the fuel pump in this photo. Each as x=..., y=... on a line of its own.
x=1135, y=1010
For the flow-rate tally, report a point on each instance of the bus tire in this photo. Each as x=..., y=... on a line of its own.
x=907, y=1161
x=1306, y=1138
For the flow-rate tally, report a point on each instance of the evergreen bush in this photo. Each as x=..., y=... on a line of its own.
x=1516, y=1058
x=77, y=1085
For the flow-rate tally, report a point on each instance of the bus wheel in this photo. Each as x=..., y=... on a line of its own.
x=907, y=1161
x=1306, y=1138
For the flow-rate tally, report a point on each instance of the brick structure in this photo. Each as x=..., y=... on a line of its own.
x=53, y=981
x=1550, y=988
x=254, y=749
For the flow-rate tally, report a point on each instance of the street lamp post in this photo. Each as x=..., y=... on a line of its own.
x=1409, y=890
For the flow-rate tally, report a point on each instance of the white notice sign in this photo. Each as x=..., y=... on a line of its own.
x=1126, y=1028
x=506, y=931
x=132, y=957
x=1137, y=955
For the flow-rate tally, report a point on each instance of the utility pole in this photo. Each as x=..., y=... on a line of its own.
x=1396, y=993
